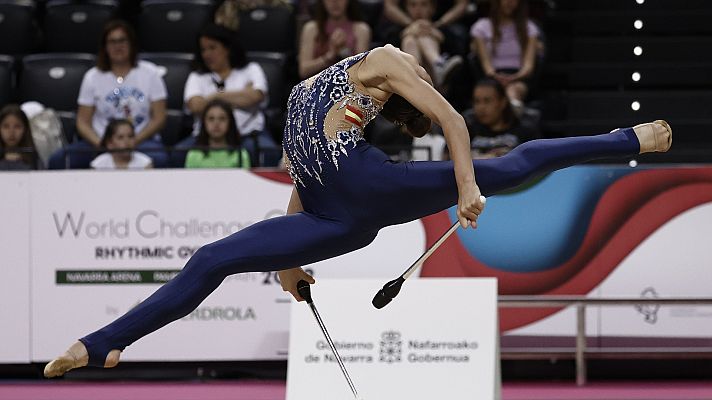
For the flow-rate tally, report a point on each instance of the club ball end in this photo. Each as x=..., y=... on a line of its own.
x=380, y=300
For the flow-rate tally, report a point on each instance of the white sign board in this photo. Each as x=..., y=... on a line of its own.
x=674, y=261
x=436, y=340
x=15, y=267
x=105, y=240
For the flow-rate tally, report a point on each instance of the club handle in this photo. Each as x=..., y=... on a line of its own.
x=435, y=246
x=430, y=251
x=304, y=290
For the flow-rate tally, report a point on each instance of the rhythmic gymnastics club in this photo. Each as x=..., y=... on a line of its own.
x=305, y=291
x=391, y=289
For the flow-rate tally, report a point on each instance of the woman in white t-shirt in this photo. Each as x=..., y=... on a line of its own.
x=222, y=72
x=120, y=86
x=506, y=46
x=119, y=139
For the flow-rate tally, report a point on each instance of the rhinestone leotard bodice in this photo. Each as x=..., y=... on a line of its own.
x=317, y=135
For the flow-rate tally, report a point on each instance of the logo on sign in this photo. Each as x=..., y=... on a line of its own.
x=391, y=347
x=649, y=311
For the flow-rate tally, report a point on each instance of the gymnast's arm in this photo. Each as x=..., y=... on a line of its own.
x=288, y=278
x=392, y=71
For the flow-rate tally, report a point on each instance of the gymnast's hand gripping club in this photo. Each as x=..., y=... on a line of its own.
x=391, y=289
x=304, y=290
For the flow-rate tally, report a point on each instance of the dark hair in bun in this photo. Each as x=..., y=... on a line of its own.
x=399, y=111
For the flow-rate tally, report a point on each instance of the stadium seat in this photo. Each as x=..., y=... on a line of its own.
x=17, y=27
x=371, y=11
x=662, y=75
x=175, y=129
x=584, y=49
x=268, y=29
x=53, y=79
x=72, y=26
x=7, y=65
x=172, y=25
x=670, y=104
x=620, y=22
x=631, y=5
x=175, y=68
x=274, y=65
x=69, y=124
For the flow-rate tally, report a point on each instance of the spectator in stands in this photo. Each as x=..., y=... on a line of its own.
x=219, y=140
x=223, y=72
x=17, y=150
x=493, y=126
x=227, y=12
x=424, y=38
x=120, y=139
x=505, y=45
x=120, y=86
x=335, y=33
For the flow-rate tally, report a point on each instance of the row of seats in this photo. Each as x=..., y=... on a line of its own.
x=64, y=71
x=627, y=5
x=620, y=62
x=162, y=25
x=53, y=79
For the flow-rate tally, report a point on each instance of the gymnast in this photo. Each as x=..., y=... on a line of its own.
x=346, y=190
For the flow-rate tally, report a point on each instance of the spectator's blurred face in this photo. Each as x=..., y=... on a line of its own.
x=508, y=7
x=420, y=9
x=118, y=47
x=488, y=105
x=216, y=123
x=11, y=130
x=215, y=56
x=123, y=139
x=335, y=8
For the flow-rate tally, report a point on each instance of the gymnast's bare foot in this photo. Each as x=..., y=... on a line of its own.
x=76, y=357
x=654, y=136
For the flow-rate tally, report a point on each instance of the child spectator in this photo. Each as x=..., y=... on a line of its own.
x=335, y=33
x=120, y=86
x=223, y=72
x=219, y=140
x=17, y=150
x=120, y=139
x=506, y=46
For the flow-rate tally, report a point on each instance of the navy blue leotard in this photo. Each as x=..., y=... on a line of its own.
x=349, y=190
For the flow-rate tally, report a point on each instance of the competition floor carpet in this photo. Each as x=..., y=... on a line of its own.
x=260, y=390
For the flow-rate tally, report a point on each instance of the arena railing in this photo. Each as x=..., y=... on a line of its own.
x=581, y=351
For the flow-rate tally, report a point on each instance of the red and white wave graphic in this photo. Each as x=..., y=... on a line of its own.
x=630, y=210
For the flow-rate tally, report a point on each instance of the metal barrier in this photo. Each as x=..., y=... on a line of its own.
x=581, y=302
x=397, y=153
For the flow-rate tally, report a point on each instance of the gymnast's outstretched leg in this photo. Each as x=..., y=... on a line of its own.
x=273, y=244
x=392, y=193
x=418, y=189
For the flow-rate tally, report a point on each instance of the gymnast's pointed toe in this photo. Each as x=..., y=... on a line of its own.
x=654, y=136
x=75, y=357
x=59, y=366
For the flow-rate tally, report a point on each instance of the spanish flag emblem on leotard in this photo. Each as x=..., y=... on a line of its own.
x=354, y=115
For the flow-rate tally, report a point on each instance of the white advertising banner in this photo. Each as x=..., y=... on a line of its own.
x=106, y=240
x=15, y=267
x=672, y=262
x=80, y=248
x=437, y=339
